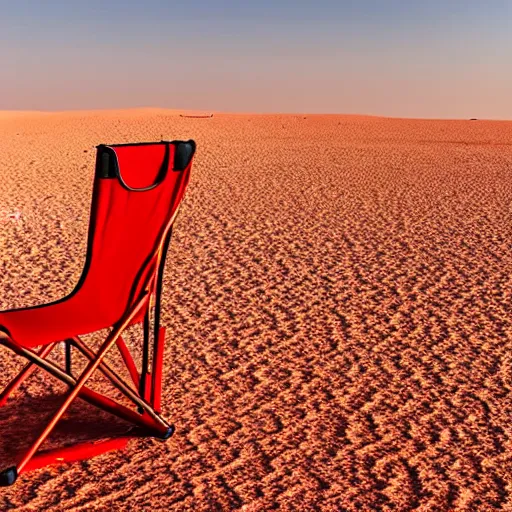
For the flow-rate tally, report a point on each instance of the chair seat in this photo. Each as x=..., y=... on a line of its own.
x=56, y=321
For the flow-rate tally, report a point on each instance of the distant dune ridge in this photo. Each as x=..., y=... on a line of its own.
x=337, y=300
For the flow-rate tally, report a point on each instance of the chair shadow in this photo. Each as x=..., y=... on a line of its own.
x=23, y=418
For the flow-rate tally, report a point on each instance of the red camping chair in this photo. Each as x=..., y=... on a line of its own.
x=137, y=191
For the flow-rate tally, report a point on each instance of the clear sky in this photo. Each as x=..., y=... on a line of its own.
x=437, y=59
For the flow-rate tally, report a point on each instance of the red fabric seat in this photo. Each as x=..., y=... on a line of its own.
x=137, y=189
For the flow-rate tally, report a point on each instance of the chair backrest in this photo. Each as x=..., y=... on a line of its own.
x=137, y=190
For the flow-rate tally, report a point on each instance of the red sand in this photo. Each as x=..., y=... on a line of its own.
x=338, y=303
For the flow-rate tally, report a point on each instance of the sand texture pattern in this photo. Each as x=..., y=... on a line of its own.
x=338, y=303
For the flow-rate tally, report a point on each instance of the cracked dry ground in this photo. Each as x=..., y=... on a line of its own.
x=337, y=298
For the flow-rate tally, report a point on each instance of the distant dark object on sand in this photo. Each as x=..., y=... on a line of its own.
x=198, y=117
x=473, y=119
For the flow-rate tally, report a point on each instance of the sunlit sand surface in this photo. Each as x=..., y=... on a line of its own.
x=338, y=303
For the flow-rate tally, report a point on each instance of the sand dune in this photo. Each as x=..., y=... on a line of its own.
x=337, y=298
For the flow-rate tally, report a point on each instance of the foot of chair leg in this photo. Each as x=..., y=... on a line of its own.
x=167, y=434
x=8, y=476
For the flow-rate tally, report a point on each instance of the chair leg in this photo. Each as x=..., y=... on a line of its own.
x=150, y=420
x=23, y=375
x=157, y=426
x=9, y=476
x=158, y=331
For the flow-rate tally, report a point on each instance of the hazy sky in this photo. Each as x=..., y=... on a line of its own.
x=389, y=57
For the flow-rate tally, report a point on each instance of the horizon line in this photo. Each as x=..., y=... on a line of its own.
x=228, y=112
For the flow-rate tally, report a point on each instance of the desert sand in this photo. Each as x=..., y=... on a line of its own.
x=338, y=303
